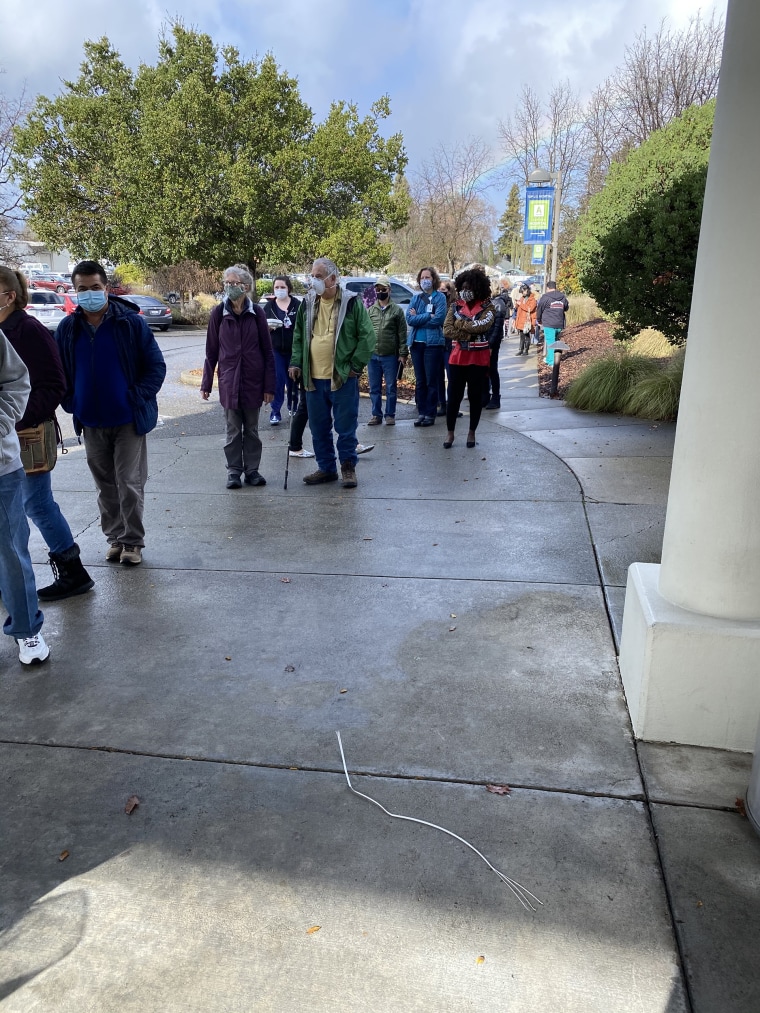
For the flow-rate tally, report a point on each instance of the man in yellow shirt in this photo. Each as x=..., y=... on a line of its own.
x=333, y=340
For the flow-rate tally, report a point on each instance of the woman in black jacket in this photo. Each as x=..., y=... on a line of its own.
x=39, y=353
x=282, y=312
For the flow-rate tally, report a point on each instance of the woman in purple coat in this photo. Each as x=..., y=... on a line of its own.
x=238, y=343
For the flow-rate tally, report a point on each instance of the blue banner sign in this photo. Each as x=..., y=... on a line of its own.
x=539, y=253
x=539, y=208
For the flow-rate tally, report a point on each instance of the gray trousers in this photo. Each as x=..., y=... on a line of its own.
x=243, y=446
x=118, y=460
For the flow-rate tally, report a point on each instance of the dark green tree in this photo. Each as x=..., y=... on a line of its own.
x=510, y=224
x=636, y=247
x=205, y=157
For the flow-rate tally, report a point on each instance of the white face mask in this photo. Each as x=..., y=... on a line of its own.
x=281, y=293
x=318, y=284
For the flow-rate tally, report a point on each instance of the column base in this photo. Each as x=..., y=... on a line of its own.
x=687, y=677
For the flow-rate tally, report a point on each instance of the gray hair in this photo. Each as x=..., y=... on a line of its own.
x=329, y=266
x=242, y=272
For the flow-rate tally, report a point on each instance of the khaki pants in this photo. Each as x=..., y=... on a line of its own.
x=118, y=460
x=243, y=447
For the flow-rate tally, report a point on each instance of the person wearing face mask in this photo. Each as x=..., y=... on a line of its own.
x=114, y=370
x=526, y=318
x=238, y=342
x=39, y=353
x=332, y=343
x=469, y=322
x=390, y=352
x=283, y=308
x=425, y=317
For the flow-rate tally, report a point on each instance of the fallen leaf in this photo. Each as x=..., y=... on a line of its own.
x=435, y=543
x=313, y=929
x=343, y=691
x=63, y=856
x=482, y=459
x=227, y=657
x=453, y=615
x=284, y=580
x=290, y=668
x=292, y=768
x=451, y=629
x=700, y=904
x=367, y=539
x=132, y=803
x=740, y=807
x=498, y=789
x=481, y=960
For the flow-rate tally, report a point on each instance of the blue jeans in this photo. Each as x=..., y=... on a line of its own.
x=16, y=574
x=428, y=360
x=282, y=383
x=380, y=366
x=41, y=508
x=338, y=408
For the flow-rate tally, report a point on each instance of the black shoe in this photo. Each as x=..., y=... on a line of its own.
x=71, y=578
x=255, y=479
x=460, y=415
x=441, y=411
x=233, y=482
x=318, y=477
x=419, y=421
x=427, y=422
x=492, y=405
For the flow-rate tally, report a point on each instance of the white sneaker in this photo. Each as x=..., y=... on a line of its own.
x=361, y=449
x=300, y=453
x=32, y=650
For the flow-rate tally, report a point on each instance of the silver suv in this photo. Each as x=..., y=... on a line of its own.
x=400, y=293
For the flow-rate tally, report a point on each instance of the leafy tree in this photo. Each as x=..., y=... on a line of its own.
x=204, y=157
x=637, y=246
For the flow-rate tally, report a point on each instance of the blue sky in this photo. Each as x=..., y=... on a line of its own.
x=451, y=68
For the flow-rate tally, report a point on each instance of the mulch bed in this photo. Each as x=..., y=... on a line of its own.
x=588, y=341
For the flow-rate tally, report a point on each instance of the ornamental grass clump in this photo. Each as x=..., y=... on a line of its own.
x=606, y=383
x=656, y=396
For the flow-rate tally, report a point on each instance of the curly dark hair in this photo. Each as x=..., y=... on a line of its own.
x=477, y=281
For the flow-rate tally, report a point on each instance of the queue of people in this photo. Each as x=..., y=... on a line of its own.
x=304, y=356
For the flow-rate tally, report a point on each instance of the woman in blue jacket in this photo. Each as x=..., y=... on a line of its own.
x=425, y=317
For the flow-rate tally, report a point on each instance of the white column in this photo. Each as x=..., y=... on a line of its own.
x=690, y=649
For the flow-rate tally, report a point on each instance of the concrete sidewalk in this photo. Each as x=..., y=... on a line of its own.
x=454, y=617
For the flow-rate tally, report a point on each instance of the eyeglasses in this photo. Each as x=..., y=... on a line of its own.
x=382, y=292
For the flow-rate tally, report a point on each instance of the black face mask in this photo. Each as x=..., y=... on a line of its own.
x=381, y=295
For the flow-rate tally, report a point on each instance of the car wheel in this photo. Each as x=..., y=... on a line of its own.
x=173, y=300
x=164, y=328
x=60, y=288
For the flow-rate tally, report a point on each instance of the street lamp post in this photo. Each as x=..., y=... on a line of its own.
x=542, y=176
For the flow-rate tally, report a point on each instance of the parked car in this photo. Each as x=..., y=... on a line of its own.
x=156, y=313
x=173, y=297
x=400, y=293
x=51, y=282
x=44, y=298
x=48, y=314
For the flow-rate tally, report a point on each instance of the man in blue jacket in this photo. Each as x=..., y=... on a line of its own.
x=114, y=370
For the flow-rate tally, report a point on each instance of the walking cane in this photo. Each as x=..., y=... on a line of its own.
x=287, y=449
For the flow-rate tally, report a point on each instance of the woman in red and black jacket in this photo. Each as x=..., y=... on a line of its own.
x=468, y=323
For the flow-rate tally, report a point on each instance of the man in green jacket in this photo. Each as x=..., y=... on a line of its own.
x=333, y=340
x=390, y=327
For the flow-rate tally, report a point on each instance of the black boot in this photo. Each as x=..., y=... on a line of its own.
x=70, y=576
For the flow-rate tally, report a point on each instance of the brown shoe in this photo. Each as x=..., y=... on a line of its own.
x=318, y=477
x=349, y=476
x=390, y=421
x=376, y=420
x=131, y=555
x=113, y=552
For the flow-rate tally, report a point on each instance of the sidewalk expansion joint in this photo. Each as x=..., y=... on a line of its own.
x=638, y=797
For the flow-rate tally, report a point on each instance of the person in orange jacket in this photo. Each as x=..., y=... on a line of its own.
x=526, y=318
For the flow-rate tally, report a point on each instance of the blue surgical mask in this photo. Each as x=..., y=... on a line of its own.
x=93, y=300
x=426, y=284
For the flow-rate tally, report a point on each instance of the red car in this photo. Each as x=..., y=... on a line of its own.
x=51, y=282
